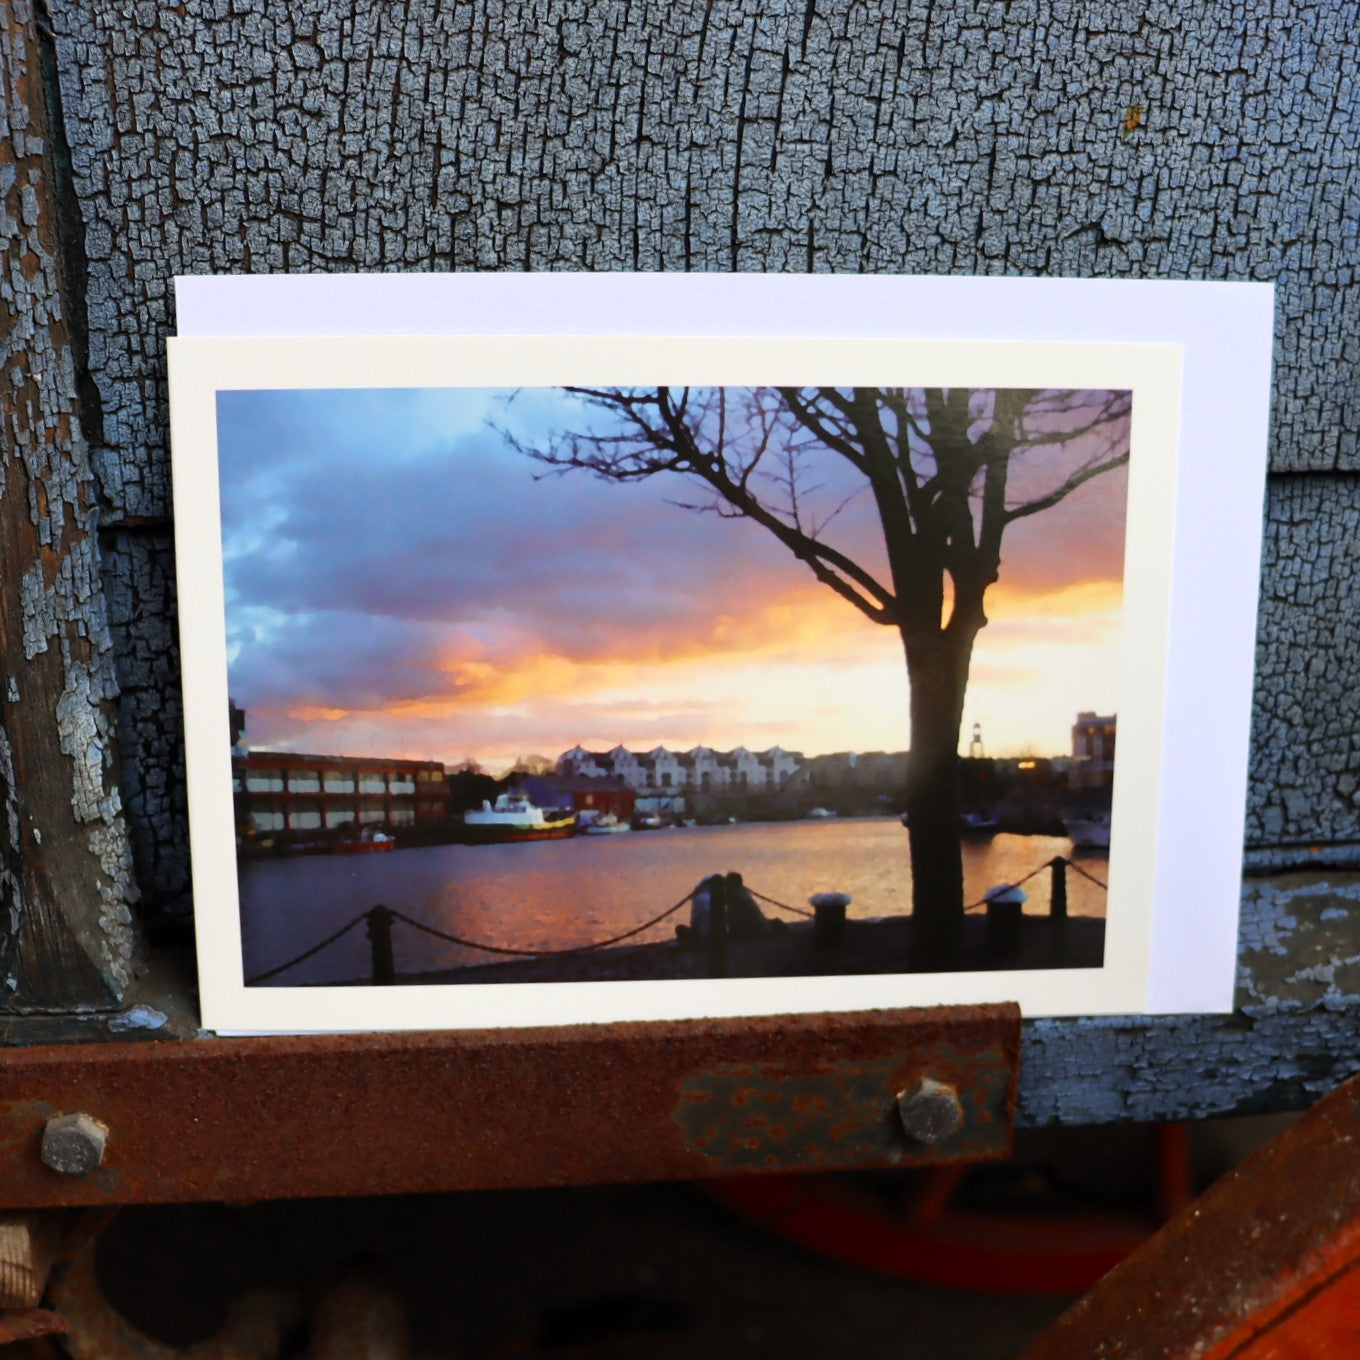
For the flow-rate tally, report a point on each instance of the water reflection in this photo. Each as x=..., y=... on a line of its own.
x=554, y=894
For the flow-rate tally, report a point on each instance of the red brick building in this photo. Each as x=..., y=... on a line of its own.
x=283, y=792
x=601, y=794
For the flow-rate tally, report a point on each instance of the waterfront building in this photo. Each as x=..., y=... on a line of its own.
x=780, y=765
x=1093, y=740
x=603, y=795
x=703, y=771
x=660, y=769
x=662, y=773
x=871, y=772
x=292, y=793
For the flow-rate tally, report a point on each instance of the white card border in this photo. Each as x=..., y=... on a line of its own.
x=202, y=366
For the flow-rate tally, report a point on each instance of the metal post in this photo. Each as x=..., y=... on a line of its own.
x=717, y=927
x=379, y=926
x=1057, y=908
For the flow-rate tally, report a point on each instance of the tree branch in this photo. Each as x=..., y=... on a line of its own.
x=1070, y=485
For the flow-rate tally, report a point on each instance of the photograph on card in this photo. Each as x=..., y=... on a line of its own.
x=643, y=683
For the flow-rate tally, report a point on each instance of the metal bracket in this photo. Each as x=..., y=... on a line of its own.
x=295, y=1116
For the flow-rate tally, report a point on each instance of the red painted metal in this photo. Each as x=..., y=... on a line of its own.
x=921, y=1236
x=959, y=1249
x=27, y=1324
x=1262, y=1266
x=405, y=1113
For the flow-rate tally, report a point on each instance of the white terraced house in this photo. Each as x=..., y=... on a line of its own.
x=700, y=769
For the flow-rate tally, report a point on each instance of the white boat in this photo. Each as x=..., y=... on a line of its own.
x=607, y=825
x=820, y=813
x=978, y=825
x=1091, y=832
x=515, y=818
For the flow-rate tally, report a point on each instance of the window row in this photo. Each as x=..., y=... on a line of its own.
x=311, y=781
x=331, y=819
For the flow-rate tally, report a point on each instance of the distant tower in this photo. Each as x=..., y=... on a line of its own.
x=975, y=751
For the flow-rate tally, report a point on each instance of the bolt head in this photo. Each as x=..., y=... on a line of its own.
x=73, y=1144
x=930, y=1110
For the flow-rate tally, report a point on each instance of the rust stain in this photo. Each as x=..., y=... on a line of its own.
x=749, y=1117
x=408, y=1113
x=27, y=1324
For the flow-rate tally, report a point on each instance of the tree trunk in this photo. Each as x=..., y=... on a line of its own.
x=938, y=676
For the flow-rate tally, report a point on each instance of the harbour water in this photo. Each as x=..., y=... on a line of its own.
x=558, y=894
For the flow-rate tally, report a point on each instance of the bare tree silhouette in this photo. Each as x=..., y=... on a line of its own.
x=937, y=465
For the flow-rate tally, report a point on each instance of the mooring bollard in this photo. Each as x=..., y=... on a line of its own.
x=1005, y=908
x=828, y=918
x=717, y=927
x=379, y=926
x=1057, y=901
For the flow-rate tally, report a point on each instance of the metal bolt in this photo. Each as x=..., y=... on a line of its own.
x=73, y=1144
x=930, y=1110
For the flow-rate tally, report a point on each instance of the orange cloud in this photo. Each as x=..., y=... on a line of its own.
x=316, y=713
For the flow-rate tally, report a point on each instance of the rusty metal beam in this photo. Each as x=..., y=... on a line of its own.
x=1265, y=1264
x=299, y=1116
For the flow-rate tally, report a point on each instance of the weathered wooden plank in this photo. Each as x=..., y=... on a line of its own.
x=943, y=137
x=1295, y=1033
x=139, y=582
x=1305, y=765
x=66, y=882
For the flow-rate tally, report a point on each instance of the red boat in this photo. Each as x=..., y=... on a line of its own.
x=368, y=841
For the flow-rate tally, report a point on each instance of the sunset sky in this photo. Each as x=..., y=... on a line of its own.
x=401, y=582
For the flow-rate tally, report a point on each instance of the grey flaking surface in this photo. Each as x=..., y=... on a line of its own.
x=139, y=581
x=1305, y=764
x=66, y=873
x=238, y=135
x=1294, y=1035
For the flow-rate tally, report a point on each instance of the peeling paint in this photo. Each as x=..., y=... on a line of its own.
x=67, y=939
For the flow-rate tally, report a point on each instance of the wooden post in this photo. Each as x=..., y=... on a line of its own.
x=66, y=883
x=379, y=926
x=1004, y=920
x=828, y=919
x=1057, y=900
x=717, y=927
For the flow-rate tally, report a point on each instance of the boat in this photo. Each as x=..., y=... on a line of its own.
x=820, y=814
x=367, y=840
x=515, y=818
x=978, y=825
x=1091, y=831
x=607, y=825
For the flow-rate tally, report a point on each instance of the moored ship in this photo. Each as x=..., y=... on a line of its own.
x=515, y=818
x=1088, y=832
